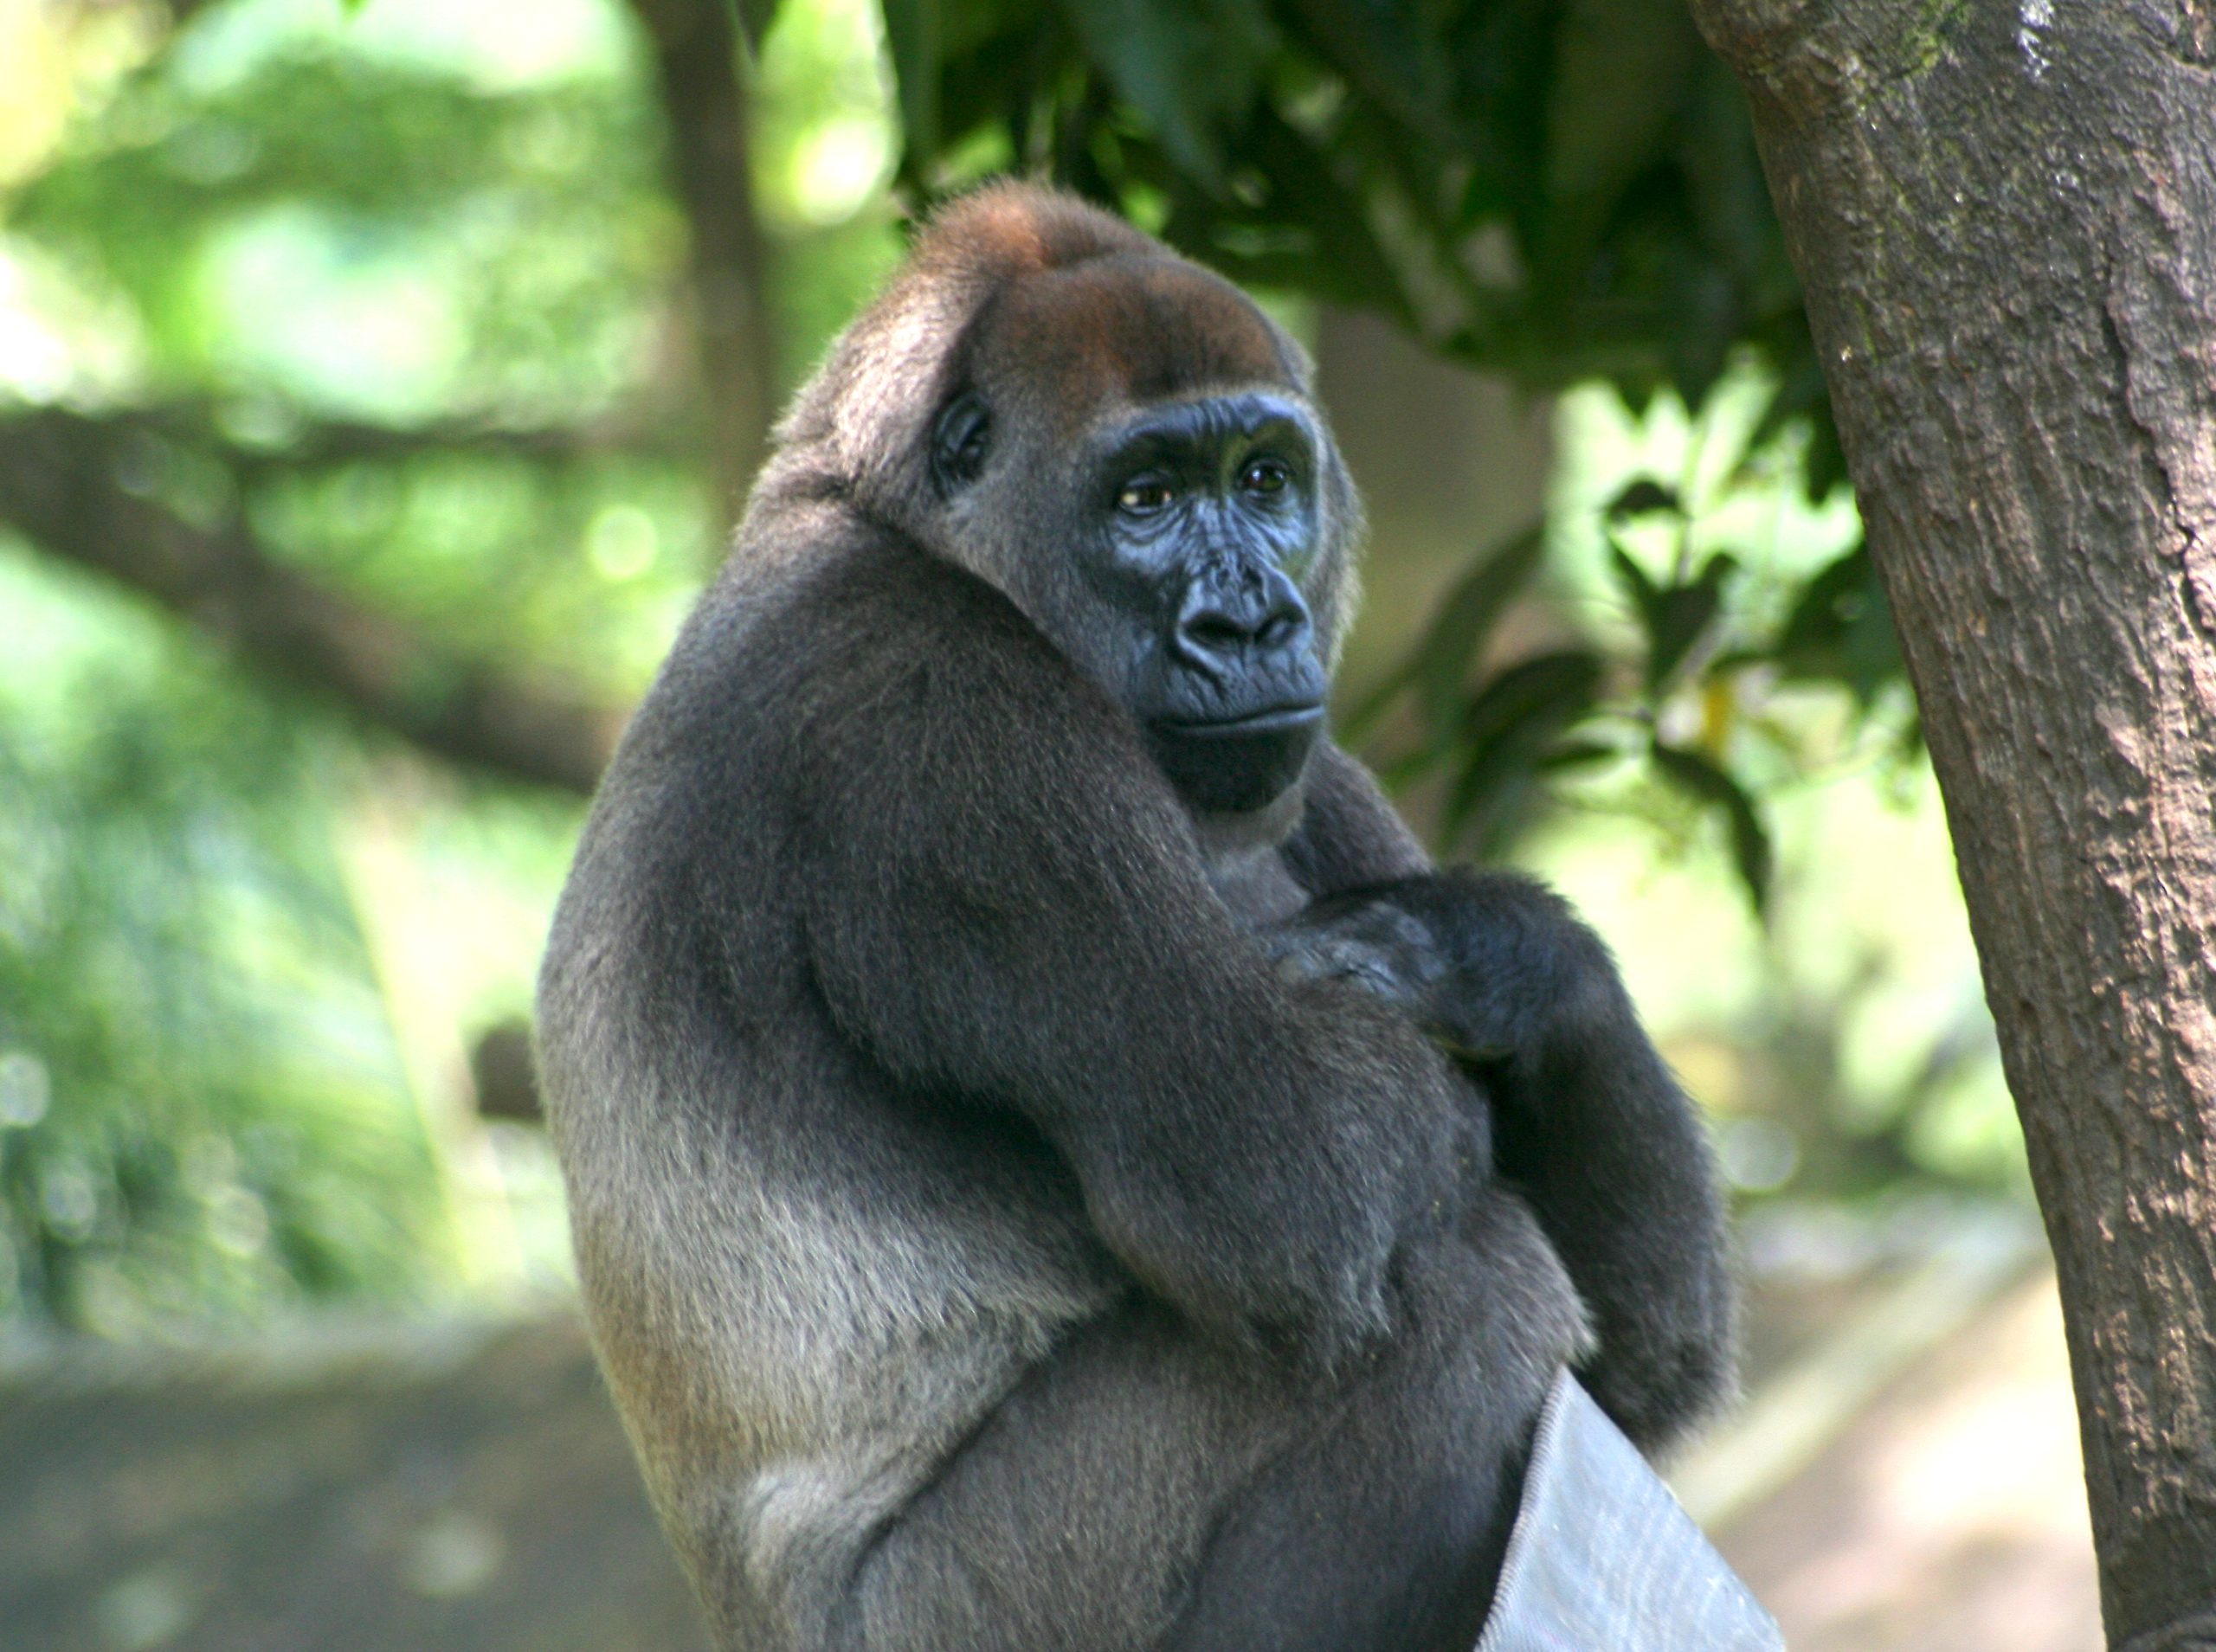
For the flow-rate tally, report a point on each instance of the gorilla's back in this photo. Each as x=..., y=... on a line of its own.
x=875, y=1271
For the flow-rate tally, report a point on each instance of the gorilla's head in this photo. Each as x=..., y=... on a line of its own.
x=1128, y=448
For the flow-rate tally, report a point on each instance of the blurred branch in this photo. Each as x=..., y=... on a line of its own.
x=70, y=484
x=327, y=442
x=698, y=63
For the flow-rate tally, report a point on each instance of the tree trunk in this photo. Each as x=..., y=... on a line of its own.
x=697, y=65
x=2005, y=218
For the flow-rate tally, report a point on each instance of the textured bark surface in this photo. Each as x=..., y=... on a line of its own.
x=2005, y=216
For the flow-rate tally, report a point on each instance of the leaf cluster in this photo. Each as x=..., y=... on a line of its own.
x=201, y=1112
x=1554, y=190
x=1694, y=703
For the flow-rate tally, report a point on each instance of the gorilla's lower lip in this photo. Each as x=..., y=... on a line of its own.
x=1277, y=719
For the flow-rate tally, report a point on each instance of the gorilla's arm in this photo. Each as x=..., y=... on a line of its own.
x=1350, y=836
x=1587, y=1119
x=1004, y=905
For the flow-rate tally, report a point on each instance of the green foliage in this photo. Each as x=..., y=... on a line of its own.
x=418, y=320
x=322, y=190
x=1699, y=684
x=200, y=1108
x=1555, y=188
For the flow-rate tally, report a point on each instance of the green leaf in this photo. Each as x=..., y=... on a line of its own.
x=1544, y=685
x=1190, y=66
x=1680, y=615
x=1304, y=189
x=1391, y=53
x=1506, y=730
x=1441, y=663
x=1467, y=619
x=1841, y=629
x=1643, y=496
x=1580, y=753
x=1643, y=592
x=750, y=21
x=1705, y=780
x=1620, y=70
x=912, y=39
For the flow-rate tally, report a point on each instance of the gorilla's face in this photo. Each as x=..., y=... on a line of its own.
x=1167, y=529
x=1207, y=522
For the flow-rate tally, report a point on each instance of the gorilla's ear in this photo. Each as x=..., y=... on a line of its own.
x=959, y=441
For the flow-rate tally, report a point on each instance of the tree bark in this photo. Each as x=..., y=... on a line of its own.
x=2005, y=219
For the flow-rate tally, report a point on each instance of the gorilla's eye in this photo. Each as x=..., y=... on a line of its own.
x=1265, y=476
x=961, y=442
x=1145, y=496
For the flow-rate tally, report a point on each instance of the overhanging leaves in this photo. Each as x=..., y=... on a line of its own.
x=1705, y=780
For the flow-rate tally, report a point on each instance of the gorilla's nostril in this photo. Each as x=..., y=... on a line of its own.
x=1223, y=620
x=1217, y=633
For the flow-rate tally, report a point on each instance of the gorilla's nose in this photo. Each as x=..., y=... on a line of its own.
x=1224, y=621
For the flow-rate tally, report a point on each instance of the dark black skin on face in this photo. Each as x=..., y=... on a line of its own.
x=1212, y=521
x=1197, y=520
x=1208, y=519
x=1051, y=1163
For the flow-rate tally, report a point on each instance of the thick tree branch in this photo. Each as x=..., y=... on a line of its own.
x=2005, y=220
x=62, y=485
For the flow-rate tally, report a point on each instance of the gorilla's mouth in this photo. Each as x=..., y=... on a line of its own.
x=1232, y=765
x=1275, y=719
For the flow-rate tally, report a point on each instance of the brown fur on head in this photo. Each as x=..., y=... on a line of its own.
x=1067, y=316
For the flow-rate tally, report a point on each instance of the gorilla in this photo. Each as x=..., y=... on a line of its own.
x=1051, y=1164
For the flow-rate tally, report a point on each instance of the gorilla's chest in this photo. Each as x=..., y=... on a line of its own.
x=1255, y=887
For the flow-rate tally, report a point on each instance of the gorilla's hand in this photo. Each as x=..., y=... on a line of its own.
x=1588, y=1120
x=1481, y=962
x=1365, y=940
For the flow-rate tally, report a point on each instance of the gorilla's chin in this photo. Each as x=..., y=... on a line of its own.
x=1238, y=765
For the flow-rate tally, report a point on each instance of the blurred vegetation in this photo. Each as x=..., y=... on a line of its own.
x=377, y=383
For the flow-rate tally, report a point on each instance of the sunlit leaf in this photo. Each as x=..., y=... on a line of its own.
x=1704, y=780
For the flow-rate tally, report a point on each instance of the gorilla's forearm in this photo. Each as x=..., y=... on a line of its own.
x=1588, y=1120
x=1251, y=1148
x=1613, y=1155
x=1350, y=836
